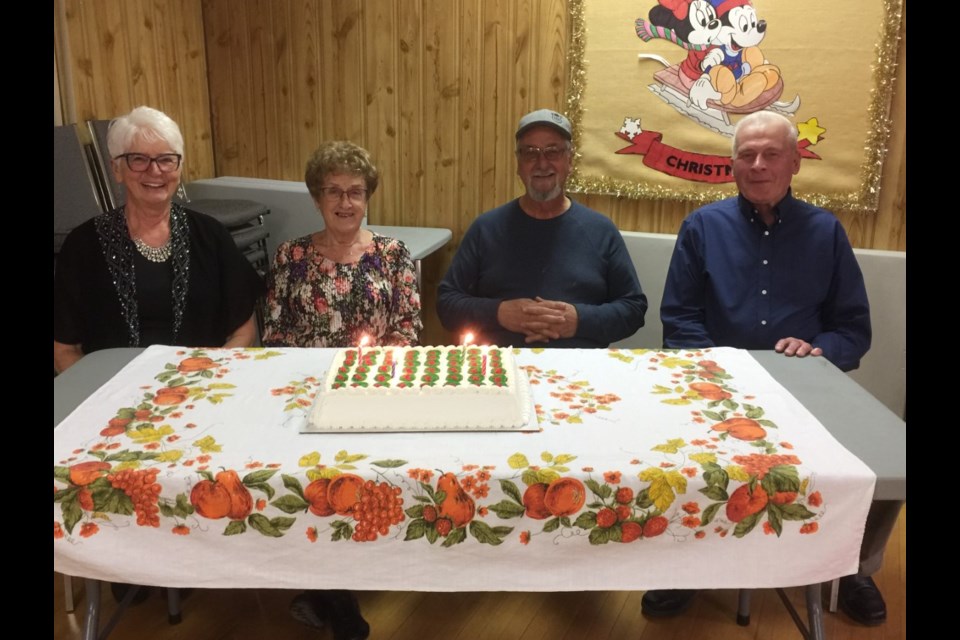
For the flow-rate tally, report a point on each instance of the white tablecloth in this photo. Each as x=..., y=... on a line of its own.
x=652, y=470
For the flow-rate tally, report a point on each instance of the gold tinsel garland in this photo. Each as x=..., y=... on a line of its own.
x=862, y=201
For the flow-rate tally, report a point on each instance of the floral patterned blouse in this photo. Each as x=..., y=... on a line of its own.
x=313, y=301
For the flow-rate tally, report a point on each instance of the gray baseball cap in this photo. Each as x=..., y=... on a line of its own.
x=545, y=117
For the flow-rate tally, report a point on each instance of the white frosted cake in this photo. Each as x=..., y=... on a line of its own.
x=423, y=389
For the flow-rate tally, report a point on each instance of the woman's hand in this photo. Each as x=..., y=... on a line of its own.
x=65, y=355
x=244, y=335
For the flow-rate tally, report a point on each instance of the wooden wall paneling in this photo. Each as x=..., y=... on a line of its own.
x=441, y=45
x=411, y=82
x=304, y=101
x=341, y=54
x=471, y=102
x=380, y=107
x=550, y=43
x=495, y=113
x=122, y=54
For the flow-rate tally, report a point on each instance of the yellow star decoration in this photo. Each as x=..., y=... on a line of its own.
x=810, y=131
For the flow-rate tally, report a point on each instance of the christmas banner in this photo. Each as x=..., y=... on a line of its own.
x=658, y=87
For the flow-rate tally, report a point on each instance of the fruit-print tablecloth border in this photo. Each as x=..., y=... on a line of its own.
x=684, y=462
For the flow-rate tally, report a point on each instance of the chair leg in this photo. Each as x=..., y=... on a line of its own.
x=743, y=607
x=174, y=615
x=834, y=594
x=68, y=600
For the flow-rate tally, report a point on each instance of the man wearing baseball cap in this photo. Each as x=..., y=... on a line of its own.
x=542, y=268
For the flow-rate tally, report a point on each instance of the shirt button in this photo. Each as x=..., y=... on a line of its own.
x=764, y=292
x=763, y=322
x=764, y=262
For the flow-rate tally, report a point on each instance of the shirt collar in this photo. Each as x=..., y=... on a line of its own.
x=781, y=210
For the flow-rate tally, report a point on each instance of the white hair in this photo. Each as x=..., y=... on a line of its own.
x=766, y=119
x=143, y=123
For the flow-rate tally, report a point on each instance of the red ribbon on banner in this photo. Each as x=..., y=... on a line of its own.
x=688, y=165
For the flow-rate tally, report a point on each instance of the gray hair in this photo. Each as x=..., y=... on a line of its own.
x=766, y=119
x=340, y=156
x=143, y=123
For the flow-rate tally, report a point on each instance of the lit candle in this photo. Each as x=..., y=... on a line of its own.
x=467, y=339
x=484, y=374
x=364, y=340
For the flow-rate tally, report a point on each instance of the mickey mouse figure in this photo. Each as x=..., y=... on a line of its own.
x=736, y=67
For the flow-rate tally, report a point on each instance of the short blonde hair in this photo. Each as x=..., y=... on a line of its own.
x=766, y=119
x=340, y=156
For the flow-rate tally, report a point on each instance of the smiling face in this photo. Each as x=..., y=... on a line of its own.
x=544, y=179
x=152, y=187
x=765, y=162
x=342, y=215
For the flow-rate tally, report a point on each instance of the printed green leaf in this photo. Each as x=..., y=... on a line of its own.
x=263, y=524
x=703, y=458
x=113, y=501
x=423, y=499
x=547, y=475
x=72, y=513
x=292, y=484
x=730, y=404
x=600, y=490
x=483, y=533
x=502, y=531
x=746, y=525
x=66, y=494
x=586, y=520
x=290, y=503
x=551, y=525
x=389, y=464
x=416, y=511
x=416, y=529
x=564, y=458
x=281, y=523
x=61, y=473
x=432, y=535
x=165, y=509
x=183, y=507
x=266, y=488
x=216, y=385
x=510, y=489
x=546, y=456
x=456, y=537
x=785, y=477
x=564, y=521
x=529, y=477
x=507, y=509
x=235, y=527
x=258, y=477
x=124, y=456
x=715, y=493
x=430, y=492
x=643, y=500
x=768, y=423
x=709, y=513
x=796, y=511
x=774, y=518
x=603, y=536
x=207, y=475
x=716, y=477
x=713, y=415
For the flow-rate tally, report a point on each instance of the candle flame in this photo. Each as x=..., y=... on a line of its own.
x=467, y=338
x=364, y=340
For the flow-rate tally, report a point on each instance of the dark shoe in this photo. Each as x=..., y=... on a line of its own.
x=120, y=590
x=860, y=599
x=337, y=609
x=663, y=603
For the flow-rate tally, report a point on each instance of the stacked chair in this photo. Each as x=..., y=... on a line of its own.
x=75, y=199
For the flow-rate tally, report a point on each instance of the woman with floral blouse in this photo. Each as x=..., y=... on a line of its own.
x=332, y=287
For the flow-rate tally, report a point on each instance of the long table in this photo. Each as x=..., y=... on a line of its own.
x=648, y=491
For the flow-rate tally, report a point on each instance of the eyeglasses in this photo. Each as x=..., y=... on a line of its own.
x=532, y=154
x=166, y=162
x=354, y=194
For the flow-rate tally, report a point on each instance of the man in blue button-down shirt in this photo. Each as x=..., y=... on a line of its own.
x=764, y=270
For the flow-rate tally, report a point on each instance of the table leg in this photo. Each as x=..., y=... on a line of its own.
x=417, y=267
x=815, y=612
x=91, y=623
x=173, y=606
x=743, y=607
x=68, y=597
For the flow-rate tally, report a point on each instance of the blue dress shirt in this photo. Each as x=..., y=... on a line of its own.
x=735, y=282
